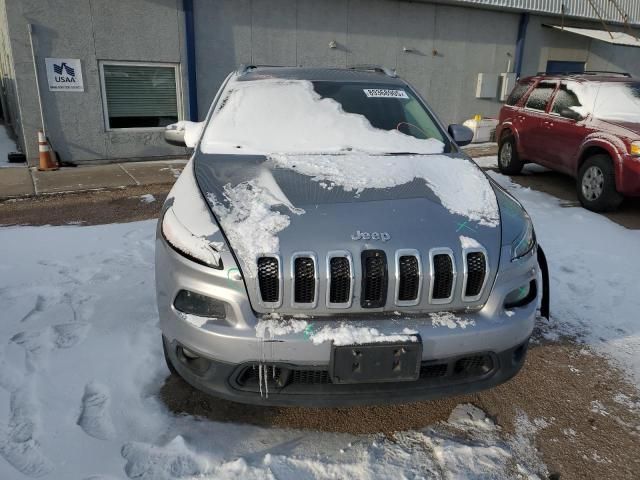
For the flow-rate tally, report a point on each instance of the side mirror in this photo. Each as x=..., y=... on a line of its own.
x=571, y=114
x=184, y=133
x=174, y=134
x=461, y=135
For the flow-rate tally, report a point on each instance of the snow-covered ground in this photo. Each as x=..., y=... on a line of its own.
x=81, y=366
x=6, y=146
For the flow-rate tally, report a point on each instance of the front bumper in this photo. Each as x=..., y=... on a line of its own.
x=628, y=178
x=228, y=349
x=311, y=386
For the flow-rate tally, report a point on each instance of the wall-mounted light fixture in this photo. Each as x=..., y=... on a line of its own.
x=333, y=44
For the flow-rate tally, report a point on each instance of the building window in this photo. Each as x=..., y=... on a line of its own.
x=140, y=95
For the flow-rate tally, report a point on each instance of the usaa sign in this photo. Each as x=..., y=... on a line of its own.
x=64, y=74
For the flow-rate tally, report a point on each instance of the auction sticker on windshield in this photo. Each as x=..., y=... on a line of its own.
x=384, y=93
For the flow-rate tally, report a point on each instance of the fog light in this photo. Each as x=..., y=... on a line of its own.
x=200, y=305
x=521, y=296
x=188, y=353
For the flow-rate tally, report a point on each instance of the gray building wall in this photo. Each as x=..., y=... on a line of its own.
x=446, y=46
x=141, y=30
x=439, y=48
x=8, y=94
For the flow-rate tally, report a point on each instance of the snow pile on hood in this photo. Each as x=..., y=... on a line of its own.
x=269, y=116
x=468, y=242
x=250, y=222
x=459, y=184
x=345, y=334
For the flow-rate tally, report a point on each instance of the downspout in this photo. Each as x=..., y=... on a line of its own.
x=522, y=34
x=187, y=6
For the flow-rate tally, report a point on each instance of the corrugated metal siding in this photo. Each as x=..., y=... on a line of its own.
x=572, y=8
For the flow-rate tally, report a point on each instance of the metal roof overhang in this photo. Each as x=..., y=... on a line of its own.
x=616, y=38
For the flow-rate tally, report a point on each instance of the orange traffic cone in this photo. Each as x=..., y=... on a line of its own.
x=46, y=162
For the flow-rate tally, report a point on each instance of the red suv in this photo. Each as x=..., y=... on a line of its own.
x=586, y=125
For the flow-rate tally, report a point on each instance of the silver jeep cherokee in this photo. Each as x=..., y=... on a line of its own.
x=329, y=244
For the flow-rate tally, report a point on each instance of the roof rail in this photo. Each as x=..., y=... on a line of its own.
x=245, y=68
x=589, y=72
x=375, y=68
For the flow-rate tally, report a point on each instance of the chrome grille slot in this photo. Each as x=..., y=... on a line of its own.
x=374, y=279
x=340, y=283
x=269, y=280
x=443, y=275
x=304, y=280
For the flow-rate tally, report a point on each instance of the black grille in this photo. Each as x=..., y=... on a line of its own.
x=442, y=276
x=340, y=280
x=304, y=280
x=476, y=271
x=272, y=376
x=473, y=366
x=310, y=377
x=374, y=279
x=277, y=377
x=299, y=379
x=433, y=371
x=409, y=278
x=268, y=279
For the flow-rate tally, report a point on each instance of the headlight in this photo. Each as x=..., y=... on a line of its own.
x=634, y=149
x=195, y=247
x=525, y=242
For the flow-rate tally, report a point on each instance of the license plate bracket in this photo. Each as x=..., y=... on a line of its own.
x=376, y=363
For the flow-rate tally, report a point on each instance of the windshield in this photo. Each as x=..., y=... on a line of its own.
x=385, y=108
x=295, y=116
x=618, y=101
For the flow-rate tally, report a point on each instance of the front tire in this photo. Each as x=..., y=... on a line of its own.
x=509, y=162
x=596, y=184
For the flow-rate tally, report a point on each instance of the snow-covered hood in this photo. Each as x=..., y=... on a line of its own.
x=319, y=203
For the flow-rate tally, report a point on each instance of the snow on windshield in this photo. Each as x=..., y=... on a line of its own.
x=618, y=101
x=608, y=101
x=459, y=184
x=288, y=116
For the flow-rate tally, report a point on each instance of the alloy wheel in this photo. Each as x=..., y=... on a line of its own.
x=592, y=183
x=505, y=154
